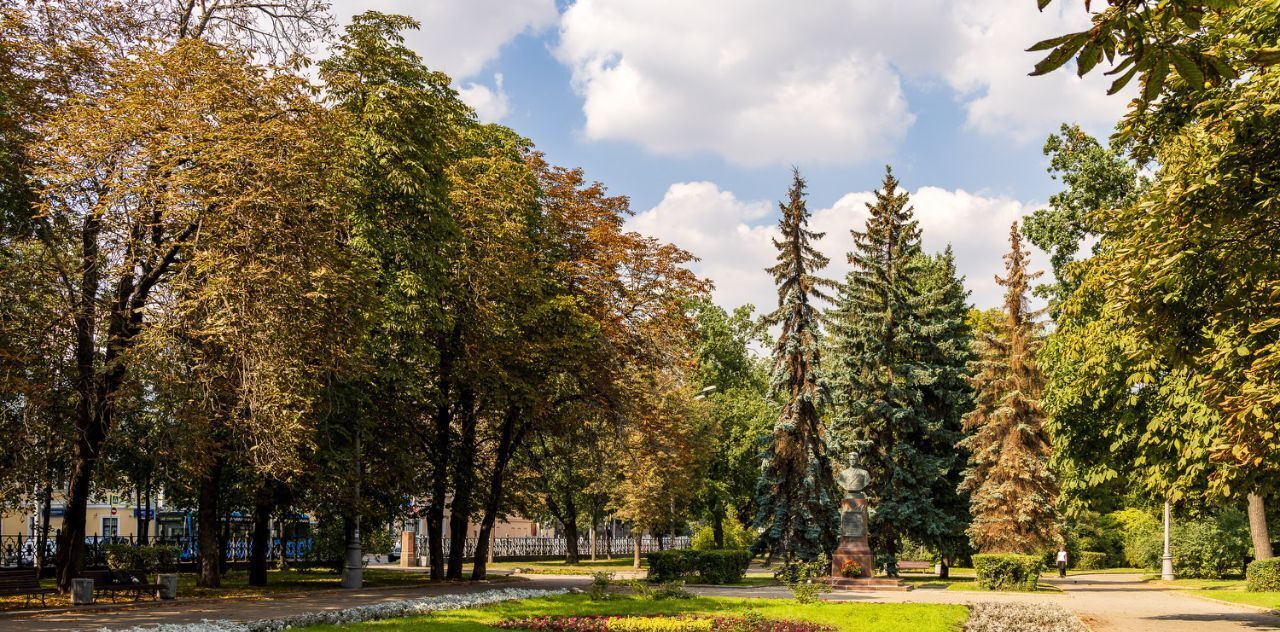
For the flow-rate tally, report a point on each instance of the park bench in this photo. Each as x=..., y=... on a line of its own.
x=22, y=582
x=116, y=582
x=915, y=566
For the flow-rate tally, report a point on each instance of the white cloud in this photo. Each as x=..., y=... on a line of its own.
x=490, y=104
x=460, y=37
x=733, y=236
x=763, y=82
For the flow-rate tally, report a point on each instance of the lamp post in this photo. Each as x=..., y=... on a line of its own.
x=1166, y=562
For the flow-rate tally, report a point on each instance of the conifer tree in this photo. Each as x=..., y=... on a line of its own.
x=898, y=378
x=796, y=494
x=1012, y=491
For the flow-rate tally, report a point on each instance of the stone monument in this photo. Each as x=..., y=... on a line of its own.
x=854, y=544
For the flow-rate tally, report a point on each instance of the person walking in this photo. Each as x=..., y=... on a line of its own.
x=1062, y=561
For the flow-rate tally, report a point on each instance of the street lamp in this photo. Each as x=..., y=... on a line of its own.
x=1166, y=562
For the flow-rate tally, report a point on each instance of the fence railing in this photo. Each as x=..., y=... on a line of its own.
x=535, y=547
x=20, y=550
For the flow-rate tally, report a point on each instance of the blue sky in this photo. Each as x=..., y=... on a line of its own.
x=696, y=109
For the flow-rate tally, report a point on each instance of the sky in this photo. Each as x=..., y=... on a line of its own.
x=698, y=109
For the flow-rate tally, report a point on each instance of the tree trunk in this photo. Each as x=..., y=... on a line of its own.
x=570, y=523
x=440, y=454
x=1258, y=528
x=263, y=505
x=662, y=545
x=510, y=437
x=207, y=522
x=635, y=539
x=717, y=526
x=944, y=569
x=70, y=558
x=42, y=541
x=464, y=475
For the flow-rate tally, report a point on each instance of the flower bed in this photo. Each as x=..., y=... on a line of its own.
x=682, y=623
x=360, y=614
x=1015, y=617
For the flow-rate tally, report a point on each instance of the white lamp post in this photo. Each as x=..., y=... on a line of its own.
x=1166, y=562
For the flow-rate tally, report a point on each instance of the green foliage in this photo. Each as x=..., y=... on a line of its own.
x=149, y=558
x=796, y=496
x=800, y=571
x=1263, y=575
x=808, y=592
x=736, y=536
x=1210, y=548
x=723, y=566
x=1007, y=571
x=1092, y=532
x=1141, y=537
x=672, y=565
x=1094, y=177
x=1092, y=560
x=716, y=566
x=598, y=590
x=900, y=349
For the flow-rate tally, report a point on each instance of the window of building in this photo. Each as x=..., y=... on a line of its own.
x=110, y=527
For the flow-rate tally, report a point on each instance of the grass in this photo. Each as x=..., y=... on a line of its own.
x=1230, y=589
x=863, y=617
x=559, y=567
x=1237, y=594
x=235, y=585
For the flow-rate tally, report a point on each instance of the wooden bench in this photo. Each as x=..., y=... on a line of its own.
x=23, y=582
x=113, y=583
x=915, y=566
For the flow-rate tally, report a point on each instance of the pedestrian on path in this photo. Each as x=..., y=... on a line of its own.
x=1062, y=561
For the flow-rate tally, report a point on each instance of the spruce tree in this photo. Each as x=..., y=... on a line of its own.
x=899, y=338
x=1011, y=489
x=796, y=492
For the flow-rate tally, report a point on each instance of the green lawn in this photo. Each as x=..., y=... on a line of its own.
x=861, y=617
x=1240, y=595
x=558, y=567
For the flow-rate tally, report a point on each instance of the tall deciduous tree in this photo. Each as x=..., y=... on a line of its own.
x=900, y=348
x=796, y=491
x=1011, y=489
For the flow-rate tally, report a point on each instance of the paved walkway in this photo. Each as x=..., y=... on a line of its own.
x=1107, y=603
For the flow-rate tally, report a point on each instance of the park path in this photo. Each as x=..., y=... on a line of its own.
x=1104, y=602
x=195, y=611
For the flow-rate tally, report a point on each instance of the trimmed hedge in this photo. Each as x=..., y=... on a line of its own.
x=1091, y=560
x=1007, y=571
x=1263, y=575
x=725, y=566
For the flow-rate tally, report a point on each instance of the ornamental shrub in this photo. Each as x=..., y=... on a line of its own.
x=1007, y=571
x=1263, y=575
x=665, y=566
x=723, y=566
x=713, y=567
x=1091, y=560
x=599, y=588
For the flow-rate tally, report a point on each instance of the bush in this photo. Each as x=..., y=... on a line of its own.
x=723, y=566
x=665, y=566
x=713, y=567
x=146, y=558
x=1141, y=533
x=1091, y=560
x=599, y=588
x=798, y=570
x=672, y=590
x=1007, y=571
x=1207, y=548
x=736, y=536
x=807, y=592
x=1263, y=575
